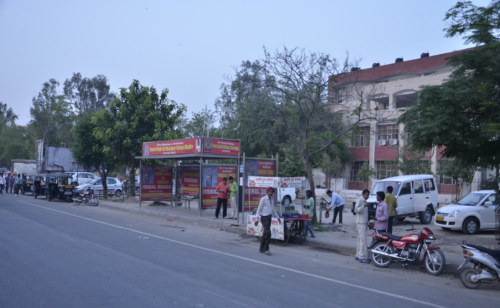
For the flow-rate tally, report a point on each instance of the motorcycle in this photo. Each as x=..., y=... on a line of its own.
x=486, y=265
x=87, y=197
x=388, y=248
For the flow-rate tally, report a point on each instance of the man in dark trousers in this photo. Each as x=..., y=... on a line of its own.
x=265, y=212
x=222, y=189
x=392, y=203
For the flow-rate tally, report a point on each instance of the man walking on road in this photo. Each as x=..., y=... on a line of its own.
x=335, y=200
x=17, y=184
x=234, y=198
x=12, y=180
x=265, y=212
x=361, y=210
x=222, y=189
x=309, y=210
x=392, y=203
x=2, y=183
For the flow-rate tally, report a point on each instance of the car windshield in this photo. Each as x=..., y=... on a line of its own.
x=472, y=199
x=30, y=178
x=94, y=180
x=65, y=181
x=382, y=186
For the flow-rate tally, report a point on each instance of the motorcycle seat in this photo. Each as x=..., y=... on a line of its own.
x=494, y=253
x=391, y=236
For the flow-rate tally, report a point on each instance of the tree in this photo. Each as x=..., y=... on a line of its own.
x=410, y=161
x=88, y=94
x=14, y=144
x=462, y=115
x=201, y=124
x=333, y=161
x=7, y=115
x=90, y=151
x=138, y=115
x=365, y=173
x=52, y=118
x=283, y=101
x=461, y=172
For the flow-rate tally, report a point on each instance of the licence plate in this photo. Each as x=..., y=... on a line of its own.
x=440, y=218
x=68, y=193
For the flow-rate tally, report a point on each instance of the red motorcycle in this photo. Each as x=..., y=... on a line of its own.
x=388, y=248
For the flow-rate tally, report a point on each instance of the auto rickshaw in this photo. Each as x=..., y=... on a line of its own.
x=59, y=186
x=39, y=184
x=30, y=178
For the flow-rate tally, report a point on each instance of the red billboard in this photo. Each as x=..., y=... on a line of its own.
x=185, y=146
x=221, y=146
x=188, y=178
x=256, y=167
x=253, y=196
x=156, y=183
x=212, y=176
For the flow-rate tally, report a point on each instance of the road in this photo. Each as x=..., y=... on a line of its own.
x=55, y=254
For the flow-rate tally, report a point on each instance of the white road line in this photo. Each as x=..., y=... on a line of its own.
x=247, y=259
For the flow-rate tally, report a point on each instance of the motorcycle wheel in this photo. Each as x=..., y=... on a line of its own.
x=379, y=260
x=465, y=278
x=435, y=269
x=93, y=201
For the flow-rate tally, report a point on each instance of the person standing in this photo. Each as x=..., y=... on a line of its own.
x=336, y=202
x=382, y=215
x=7, y=180
x=361, y=210
x=12, y=180
x=265, y=212
x=309, y=210
x=392, y=203
x=18, y=181
x=222, y=188
x=234, y=198
x=2, y=183
x=24, y=183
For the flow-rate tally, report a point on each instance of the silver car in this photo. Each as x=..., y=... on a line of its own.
x=114, y=186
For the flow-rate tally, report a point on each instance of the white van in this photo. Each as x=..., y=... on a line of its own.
x=417, y=196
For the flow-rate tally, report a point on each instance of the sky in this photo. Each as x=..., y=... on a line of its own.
x=192, y=47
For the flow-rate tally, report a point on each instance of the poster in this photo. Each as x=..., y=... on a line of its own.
x=277, y=229
x=212, y=176
x=296, y=182
x=221, y=146
x=172, y=147
x=257, y=167
x=188, y=178
x=263, y=181
x=156, y=183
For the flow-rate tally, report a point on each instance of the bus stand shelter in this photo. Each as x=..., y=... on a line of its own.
x=199, y=179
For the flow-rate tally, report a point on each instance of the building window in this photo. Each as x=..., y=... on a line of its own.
x=340, y=95
x=386, y=169
x=387, y=132
x=361, y=137
x=356, y=166
x=381, y=102
x=406, y=100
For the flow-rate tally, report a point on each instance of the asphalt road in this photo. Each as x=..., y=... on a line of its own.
x=55, y=254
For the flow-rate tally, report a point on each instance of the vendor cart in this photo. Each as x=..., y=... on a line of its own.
x=295, y=230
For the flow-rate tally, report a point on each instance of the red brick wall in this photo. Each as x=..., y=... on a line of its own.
x=360, y=153
x=386, y=153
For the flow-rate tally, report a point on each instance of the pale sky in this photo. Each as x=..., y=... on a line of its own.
x=190, y=46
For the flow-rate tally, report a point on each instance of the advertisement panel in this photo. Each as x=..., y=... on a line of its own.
x=221, y=146
x=188, y=178
x=156, y=182
x=257, y=167
x=24, y=167
x=263, y=181
x=212, y=176
x=296, y=182
x=185, y=146
x=277, y=229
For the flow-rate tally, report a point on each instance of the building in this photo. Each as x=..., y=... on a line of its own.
x=383, y=92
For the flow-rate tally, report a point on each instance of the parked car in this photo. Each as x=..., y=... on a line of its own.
x=474, y=212
x=82, y=177
x=114, y=186
x=417, y=196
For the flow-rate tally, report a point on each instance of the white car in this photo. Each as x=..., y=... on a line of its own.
x=82, y=177
x=474, y=212
x=114, y=186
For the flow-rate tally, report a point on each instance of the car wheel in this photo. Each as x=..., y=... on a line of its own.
x=470, y=226
x=426, y=216
x=286, y=201
x=118, y=193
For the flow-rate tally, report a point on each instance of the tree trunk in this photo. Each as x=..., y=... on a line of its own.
x=104, y=181
x=132, y=178
x=311, y=184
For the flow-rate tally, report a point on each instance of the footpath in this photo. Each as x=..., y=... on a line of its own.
x=341, y=240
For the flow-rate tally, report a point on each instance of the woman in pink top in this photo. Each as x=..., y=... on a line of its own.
x=382, y=215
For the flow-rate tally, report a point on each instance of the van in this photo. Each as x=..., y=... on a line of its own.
x=417, y=196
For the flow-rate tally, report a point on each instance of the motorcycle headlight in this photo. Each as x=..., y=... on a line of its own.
x=455, y=213
x=431, y=237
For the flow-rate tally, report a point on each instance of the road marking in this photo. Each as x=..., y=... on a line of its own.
x=246, y=259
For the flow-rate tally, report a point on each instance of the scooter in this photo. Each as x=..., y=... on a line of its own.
x=388, y=248
x=486, y=265
x=87, y=197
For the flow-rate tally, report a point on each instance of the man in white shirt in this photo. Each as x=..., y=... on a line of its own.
x=361, y=210
x=266, y=211
x=336, y=202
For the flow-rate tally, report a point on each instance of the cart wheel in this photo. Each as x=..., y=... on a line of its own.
x=286, y=237
x=297, y=232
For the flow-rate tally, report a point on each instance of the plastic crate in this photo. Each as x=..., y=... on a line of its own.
x=295, y=216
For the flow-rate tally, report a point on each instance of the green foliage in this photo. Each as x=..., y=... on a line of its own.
x=410, y=161
x=365, y=173
x=88, y=94
x=201, y=124
x=290, y=165
x=14, y=144
x=456, y=169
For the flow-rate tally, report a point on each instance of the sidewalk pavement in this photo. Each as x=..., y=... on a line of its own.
x=337, y=239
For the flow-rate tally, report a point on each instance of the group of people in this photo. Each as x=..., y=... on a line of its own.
x=224, y=190
x=12, y=183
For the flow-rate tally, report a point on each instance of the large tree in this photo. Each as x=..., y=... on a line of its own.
x=283, y=101
x=462, y=115
x=88, y=94
x=138, y=115
x=201, y=124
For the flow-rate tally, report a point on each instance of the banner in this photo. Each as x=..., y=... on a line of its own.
x=297, y=182
x=212, y=176
x=156, y=183
x=263, y=181
x=277, y=229
x=185, y=146
x=221, y=146
x=188, y=178
x=257, y=167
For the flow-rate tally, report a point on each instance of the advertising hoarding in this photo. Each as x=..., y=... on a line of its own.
x=212, y=176
x=277, y=229
x=221, y=146
x=156, y=182
x=257, y=167
x=172, y=147
x=188, y=178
